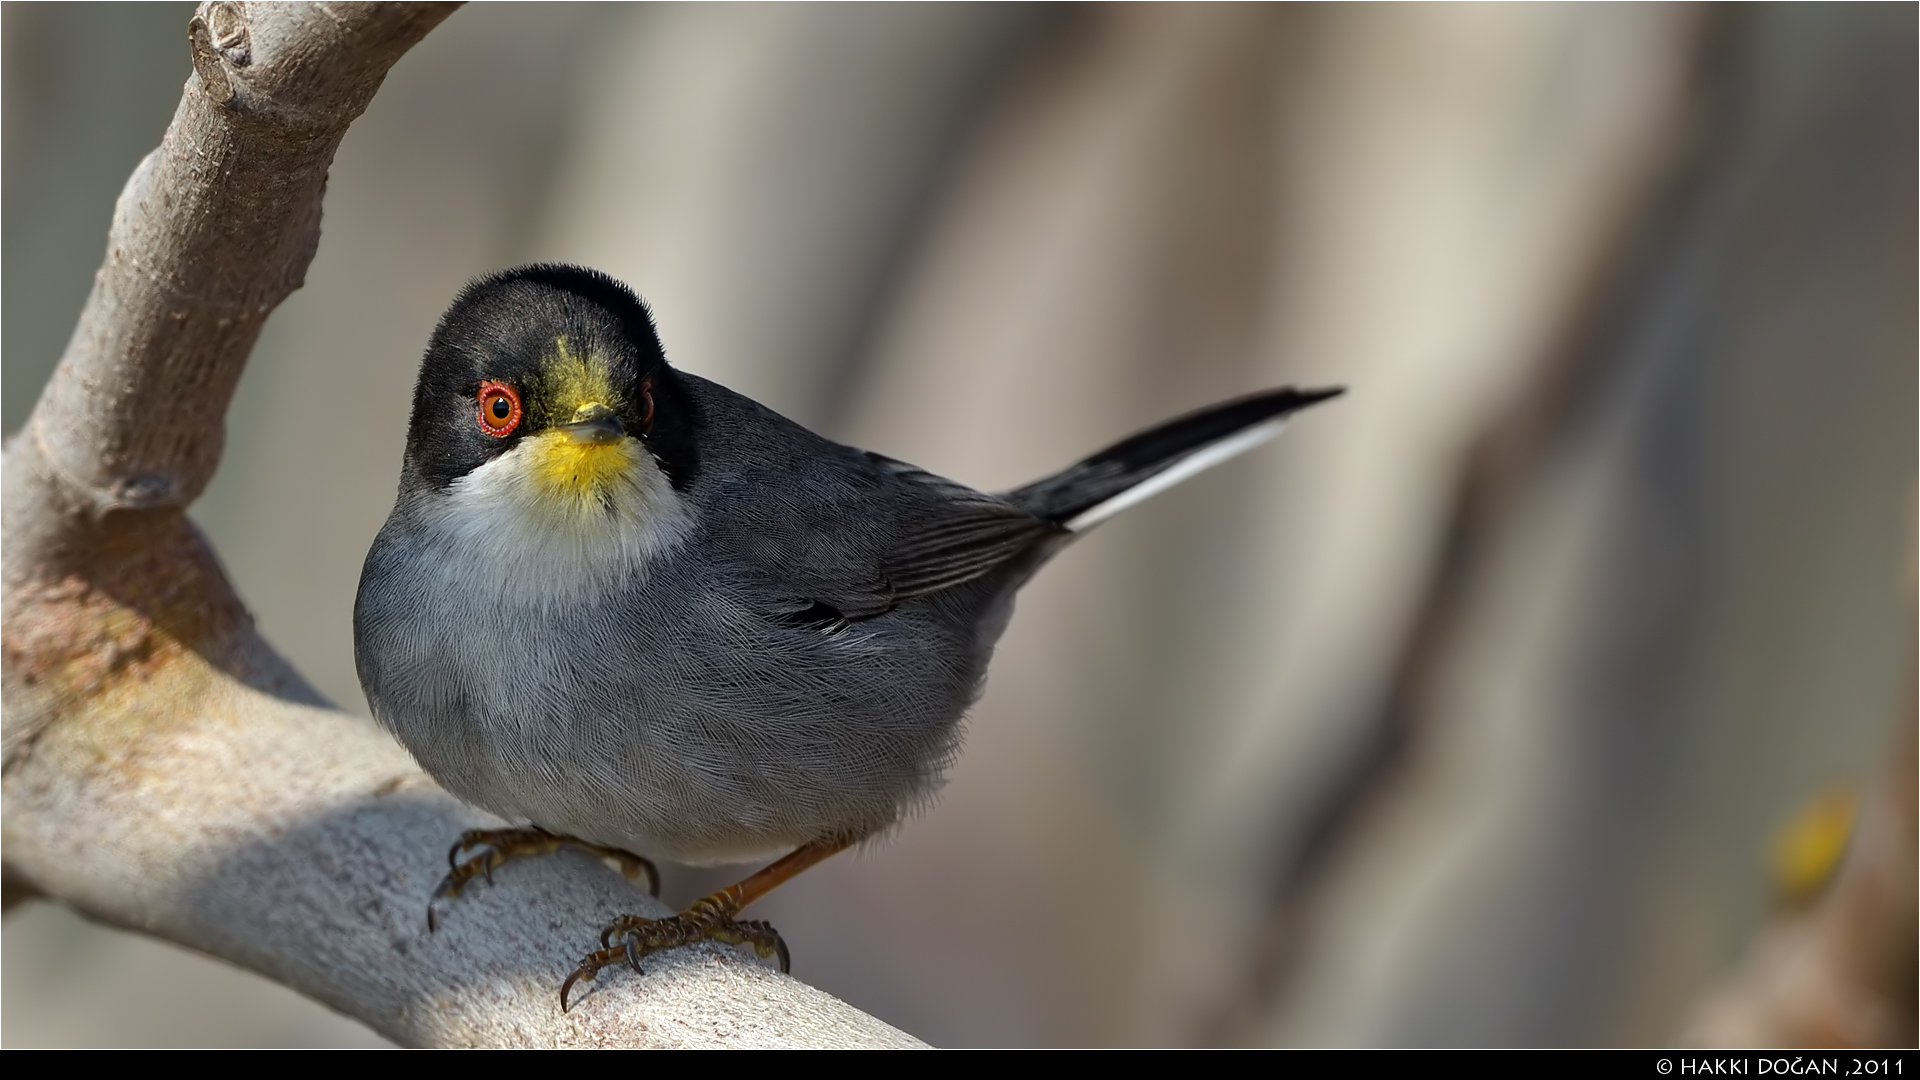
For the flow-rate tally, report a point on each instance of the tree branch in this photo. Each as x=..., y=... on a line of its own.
x=164, y=769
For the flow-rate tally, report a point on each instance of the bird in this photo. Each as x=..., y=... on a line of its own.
x=630, y=610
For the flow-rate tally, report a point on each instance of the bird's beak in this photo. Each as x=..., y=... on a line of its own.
x=594, y=424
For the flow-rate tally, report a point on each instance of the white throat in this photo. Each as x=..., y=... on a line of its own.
x=556, y=542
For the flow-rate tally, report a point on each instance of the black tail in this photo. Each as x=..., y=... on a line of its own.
x=1086, y=494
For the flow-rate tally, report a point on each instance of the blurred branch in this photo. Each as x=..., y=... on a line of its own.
x=1498, y=470
x=164, y=769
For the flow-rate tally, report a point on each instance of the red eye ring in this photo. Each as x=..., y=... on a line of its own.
x=491, y=397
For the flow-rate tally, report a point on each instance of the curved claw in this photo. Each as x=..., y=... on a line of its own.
x=451, y=885
x=479, y=852
x=765, y=934
x=652, y=871
x=472, y=838
x=462, y=870
x=710, y=918
x=623, y=926
x=642, y=937
x=591, y=964
x=456, y=879
x=761, y=937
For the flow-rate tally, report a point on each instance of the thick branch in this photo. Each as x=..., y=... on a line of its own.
x=215, y=228
x=165, y=770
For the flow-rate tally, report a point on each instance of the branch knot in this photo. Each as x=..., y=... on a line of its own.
x=219, y=35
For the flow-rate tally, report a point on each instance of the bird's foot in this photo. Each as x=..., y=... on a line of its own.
x=479, y=852
x=709, y=919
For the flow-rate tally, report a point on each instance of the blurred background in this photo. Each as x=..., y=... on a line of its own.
x=1520, y=697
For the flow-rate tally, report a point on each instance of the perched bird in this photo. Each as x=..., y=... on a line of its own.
x=643, y=614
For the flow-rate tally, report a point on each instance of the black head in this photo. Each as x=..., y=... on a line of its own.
x=522, y=352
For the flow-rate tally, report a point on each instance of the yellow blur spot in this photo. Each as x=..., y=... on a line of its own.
x=1807, y=849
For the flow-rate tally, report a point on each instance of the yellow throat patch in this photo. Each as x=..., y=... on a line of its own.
x=575, y=474
x=578, y=475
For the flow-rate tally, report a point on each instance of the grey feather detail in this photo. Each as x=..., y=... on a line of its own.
x=962, y=547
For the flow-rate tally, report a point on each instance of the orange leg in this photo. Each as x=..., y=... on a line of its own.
x=710, y=918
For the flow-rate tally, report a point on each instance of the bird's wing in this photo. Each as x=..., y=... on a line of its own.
x=854, y=550
x=956, y=545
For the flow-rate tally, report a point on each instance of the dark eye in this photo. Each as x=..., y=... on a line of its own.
x=646, y=405
x=499, y=409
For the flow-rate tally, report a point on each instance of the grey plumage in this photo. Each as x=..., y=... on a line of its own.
x=776, y=638
x=689, y=712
